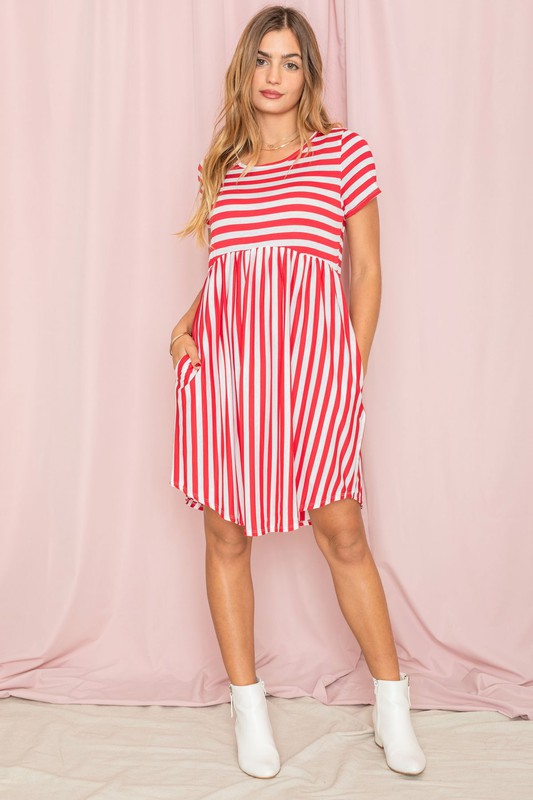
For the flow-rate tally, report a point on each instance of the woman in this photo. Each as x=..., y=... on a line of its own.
x=269, y=370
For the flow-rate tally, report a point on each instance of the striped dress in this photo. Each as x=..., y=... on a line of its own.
x=272, y=422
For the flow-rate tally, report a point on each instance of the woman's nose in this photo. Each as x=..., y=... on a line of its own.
x=273, y=75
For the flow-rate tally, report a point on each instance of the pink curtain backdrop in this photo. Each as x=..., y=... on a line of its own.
x=107, y=108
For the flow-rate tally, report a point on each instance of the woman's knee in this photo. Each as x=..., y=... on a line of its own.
x=339, y=530
x=223, y=537
x=343, y=545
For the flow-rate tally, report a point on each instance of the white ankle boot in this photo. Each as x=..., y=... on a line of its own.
x=256, y=750
x=393, y=730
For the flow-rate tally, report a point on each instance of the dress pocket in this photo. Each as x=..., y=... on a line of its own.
x=185, y=372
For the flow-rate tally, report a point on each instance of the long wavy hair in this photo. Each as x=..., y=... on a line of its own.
x=236, y=127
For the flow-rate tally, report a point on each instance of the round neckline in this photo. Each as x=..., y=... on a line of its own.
x=280, y=161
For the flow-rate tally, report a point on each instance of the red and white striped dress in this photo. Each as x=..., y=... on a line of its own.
x=271, y=424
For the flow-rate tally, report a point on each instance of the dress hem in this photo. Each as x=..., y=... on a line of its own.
x=196, y=503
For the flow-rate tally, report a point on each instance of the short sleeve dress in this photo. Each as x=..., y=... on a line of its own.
x=271, y=424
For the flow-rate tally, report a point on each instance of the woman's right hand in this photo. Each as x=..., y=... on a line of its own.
x=185, y=344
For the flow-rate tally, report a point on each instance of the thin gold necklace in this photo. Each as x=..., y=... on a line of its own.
x=279, y=146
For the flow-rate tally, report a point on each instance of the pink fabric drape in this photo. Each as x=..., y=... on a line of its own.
x=107, y=109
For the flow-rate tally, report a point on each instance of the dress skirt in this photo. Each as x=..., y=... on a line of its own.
x=271, y=424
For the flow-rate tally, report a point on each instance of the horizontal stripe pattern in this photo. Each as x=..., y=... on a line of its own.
x=300, y=204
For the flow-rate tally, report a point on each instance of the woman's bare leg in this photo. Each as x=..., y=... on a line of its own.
x=340, y=534
x=230, y=595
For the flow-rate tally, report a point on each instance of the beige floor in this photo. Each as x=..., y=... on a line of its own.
x=70, y=752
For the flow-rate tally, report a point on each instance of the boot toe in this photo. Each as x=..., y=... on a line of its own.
x=407, y=762
x=263, y=763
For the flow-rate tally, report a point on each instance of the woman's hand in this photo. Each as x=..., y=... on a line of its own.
x=185, y=344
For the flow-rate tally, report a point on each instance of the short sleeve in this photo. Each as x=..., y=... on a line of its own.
x=359, y=182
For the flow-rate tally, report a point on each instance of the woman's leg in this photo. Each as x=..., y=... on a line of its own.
x=230, y=595
x=340, y=534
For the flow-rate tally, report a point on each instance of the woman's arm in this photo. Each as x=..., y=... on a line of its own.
x=185, y=323
x=365, y=279
x=185, y=326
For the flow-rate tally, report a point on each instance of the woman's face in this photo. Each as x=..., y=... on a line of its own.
x=279, y=69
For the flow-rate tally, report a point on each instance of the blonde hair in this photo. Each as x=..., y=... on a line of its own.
x=240, y=129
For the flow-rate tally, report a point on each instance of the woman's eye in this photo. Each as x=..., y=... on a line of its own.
x=289, y=63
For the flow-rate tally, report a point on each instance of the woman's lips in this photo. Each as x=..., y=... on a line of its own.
x=271, y=95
